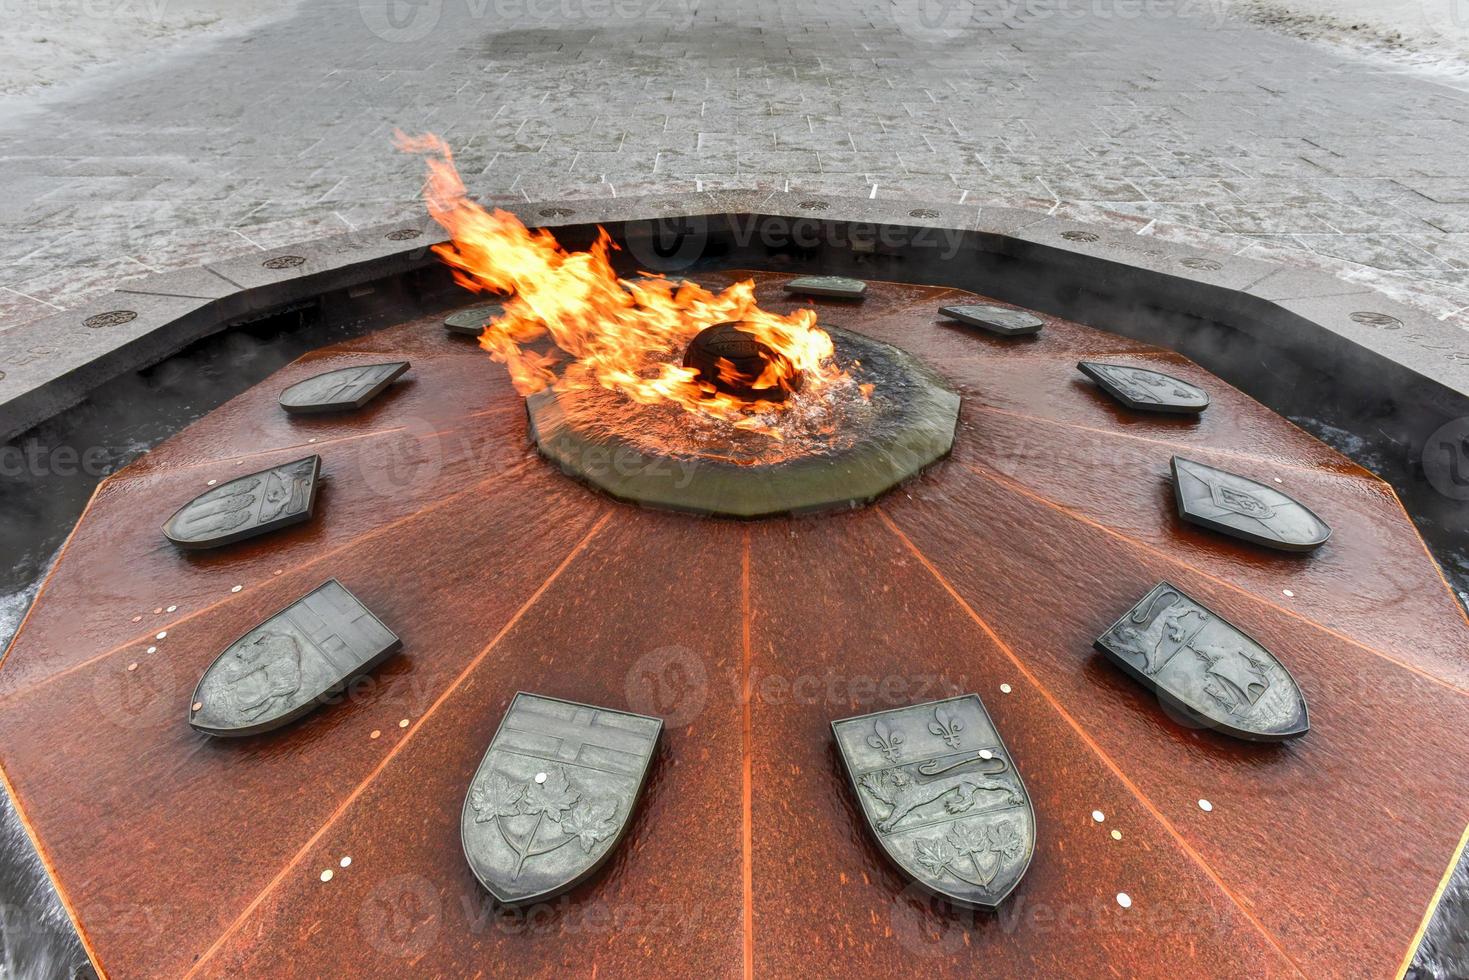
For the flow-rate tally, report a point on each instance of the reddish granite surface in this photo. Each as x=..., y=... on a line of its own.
x=178, y=853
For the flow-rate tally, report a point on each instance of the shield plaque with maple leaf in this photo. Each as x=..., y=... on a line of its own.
x=553, y=795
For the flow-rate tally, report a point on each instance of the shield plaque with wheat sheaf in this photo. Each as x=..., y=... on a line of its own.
x=941, y=794
x=553, y=795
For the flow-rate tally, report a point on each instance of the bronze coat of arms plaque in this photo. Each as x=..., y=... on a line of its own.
x=266, y=501
x=1233, y=505
x=1000, y=320
x=941, y=794
x=553, y=795
x=1146, y=391
x=286, y=666
x=1204, y=667
x=341, y=390
x=837, y=287
x=471, y=322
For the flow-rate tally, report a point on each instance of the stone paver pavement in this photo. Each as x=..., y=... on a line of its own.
x=1164, y=117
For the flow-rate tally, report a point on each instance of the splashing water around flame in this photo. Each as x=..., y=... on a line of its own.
x=625, y=336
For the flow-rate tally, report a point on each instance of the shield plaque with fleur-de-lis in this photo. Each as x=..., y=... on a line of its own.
x=553, y=795
x=942, y=796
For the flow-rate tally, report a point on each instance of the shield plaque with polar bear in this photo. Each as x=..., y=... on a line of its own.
x=941, y=794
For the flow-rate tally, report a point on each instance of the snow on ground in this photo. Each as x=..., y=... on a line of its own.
x=1431, y=36
x=44, y=43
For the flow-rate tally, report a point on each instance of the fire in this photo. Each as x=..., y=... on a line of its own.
x=628, y=336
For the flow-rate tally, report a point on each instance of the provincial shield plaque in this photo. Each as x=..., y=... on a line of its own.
x=290, y=663
x=1206, y=668
x=839, y=287
x=1146, y=391
x=254, y=504
x=942, y=796
x=996, y=319
x=553, y=795
x=472, y=322
x=1245, y=509
x=341, y=390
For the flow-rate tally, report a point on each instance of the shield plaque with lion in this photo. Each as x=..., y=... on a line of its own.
x=942, y=796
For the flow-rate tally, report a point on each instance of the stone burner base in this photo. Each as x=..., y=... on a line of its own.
x=914, y=415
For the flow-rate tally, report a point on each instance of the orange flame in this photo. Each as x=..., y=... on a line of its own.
x=625, y=335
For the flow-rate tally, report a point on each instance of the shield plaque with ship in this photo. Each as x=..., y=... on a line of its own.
x=1203, y=666
x=342, y=390
x=286, y=666
x=1146, y=391
x=941, y=794
x=1233, y=505
x=553, y=795
x=255, y=504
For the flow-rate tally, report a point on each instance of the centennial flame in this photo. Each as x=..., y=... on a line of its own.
x=625, y=335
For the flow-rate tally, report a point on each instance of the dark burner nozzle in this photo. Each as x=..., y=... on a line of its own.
x=746, y=360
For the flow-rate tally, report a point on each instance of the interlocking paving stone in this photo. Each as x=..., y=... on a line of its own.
x=288, y=137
